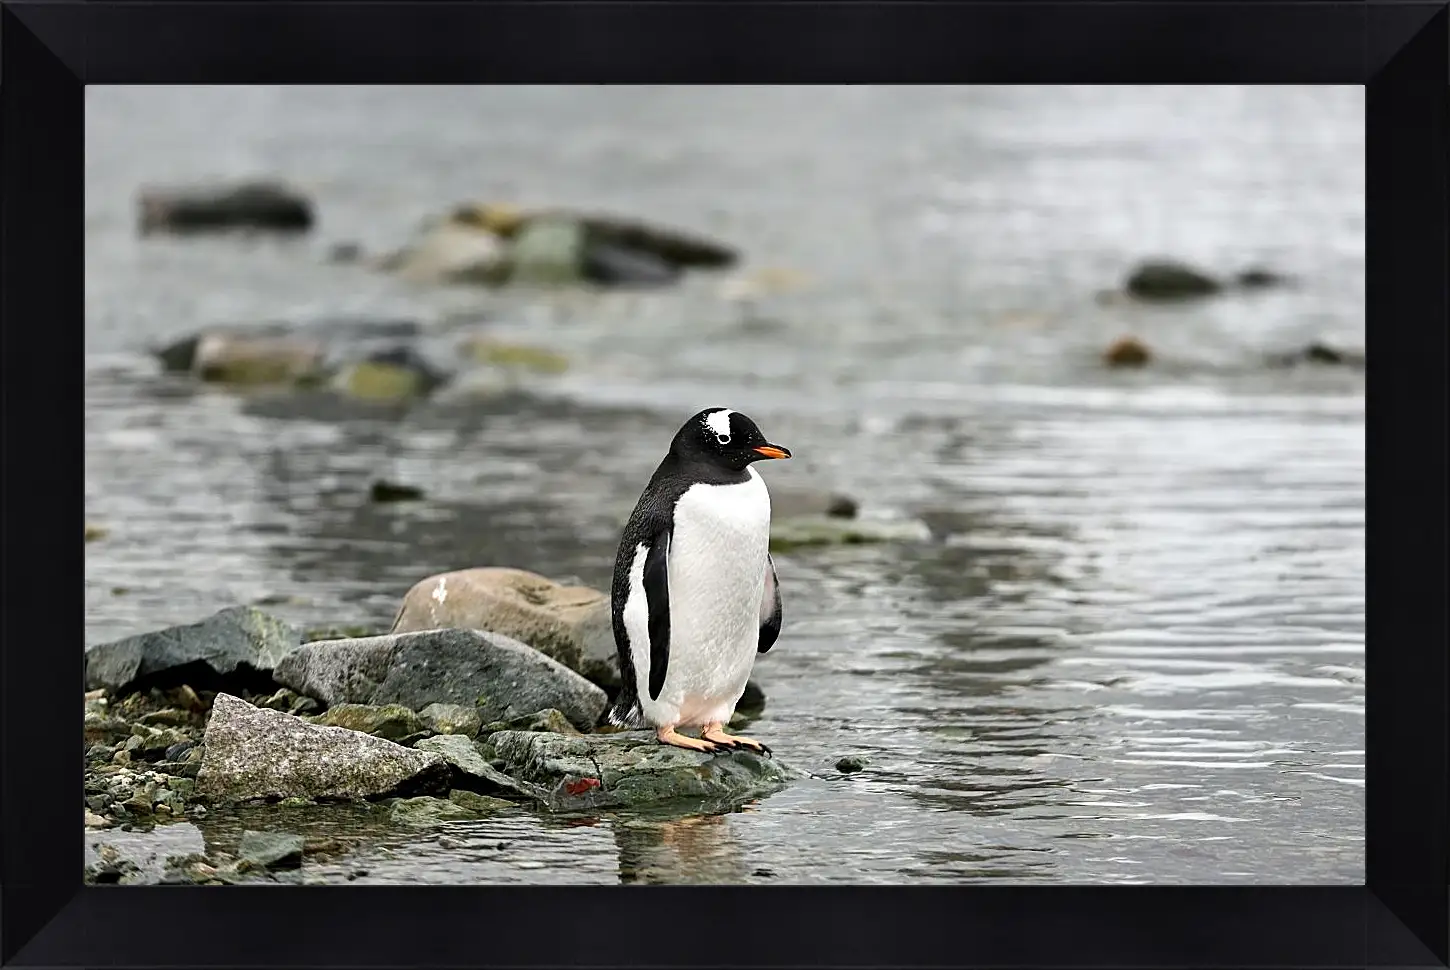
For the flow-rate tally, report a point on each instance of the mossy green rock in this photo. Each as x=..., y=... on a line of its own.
x=807, y=531
x=433, y=811
x=478, y=804
x=632, y=770
x=391, y=721
x=546, y=720
x=451, y=719
x=271, y=850
x=521, y=357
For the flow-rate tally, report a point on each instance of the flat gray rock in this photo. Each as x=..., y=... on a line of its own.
x=237, y=647
x=472, y=772
x=252, y=752
x=632, y=770
x=494, y=674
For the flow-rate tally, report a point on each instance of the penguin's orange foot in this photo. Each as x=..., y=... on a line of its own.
x=716, y=733
x=668, y=735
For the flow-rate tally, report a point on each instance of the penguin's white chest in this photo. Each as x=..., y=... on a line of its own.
x=716, y=563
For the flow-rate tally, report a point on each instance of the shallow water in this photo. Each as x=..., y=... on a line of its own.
x=1133, y=650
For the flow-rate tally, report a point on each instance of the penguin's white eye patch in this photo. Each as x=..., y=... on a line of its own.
x=724, y=439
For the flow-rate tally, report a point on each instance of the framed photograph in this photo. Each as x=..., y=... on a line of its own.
x=889, y=479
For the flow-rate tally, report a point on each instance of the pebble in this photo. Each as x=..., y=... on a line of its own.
x=851, y=763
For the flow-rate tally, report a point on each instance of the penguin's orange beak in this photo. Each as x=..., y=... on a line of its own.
x=773, y=451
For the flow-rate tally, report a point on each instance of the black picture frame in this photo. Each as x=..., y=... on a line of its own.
x=49, y=51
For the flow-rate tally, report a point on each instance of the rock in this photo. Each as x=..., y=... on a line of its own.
x=267, y=205
x=393, y=721
x=611, y=264
x=1258, y=278
x=395, y=374
x=478, y=804
x=1319, y=353
x=96, y=532
x=1127, y=352
x=633, y=769
x=255, y=753
x=793, y=503
x=549, y=720
x=851, y=763
x=451, y=719
x=521, y=357
x=344, y=252
x=548, y=250
x=94, y=821
x=271, y=850
x=752, y=702
x=385, y=491
x=499, y=676
x=289, y=701
x=1160, y=280
x=806, y=531
x=434, y=811
x=235, y=649
x=257, y=360
x=472, y=772
x=103, y=729
x=567, y=623
x=451, y=252
x=670, y=246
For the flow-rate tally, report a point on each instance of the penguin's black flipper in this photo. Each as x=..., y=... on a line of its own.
x=657, y=600
x=769, y=608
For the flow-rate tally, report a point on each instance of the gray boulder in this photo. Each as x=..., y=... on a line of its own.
x=632, y=769
x=252, y=752
x=472, y=771
x=495, y=674
x=233, y=649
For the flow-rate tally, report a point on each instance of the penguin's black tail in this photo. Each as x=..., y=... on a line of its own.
x=625, y=713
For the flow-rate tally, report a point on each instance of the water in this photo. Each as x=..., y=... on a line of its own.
x=1134, y=649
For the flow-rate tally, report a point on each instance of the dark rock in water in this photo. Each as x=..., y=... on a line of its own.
x=256, y=753
x=427, y=810
x=1127, y=352
x=389, y=374
x=631, y=770
x=851, y=763
x=790, y=503
x=472, y=771
x=1258, y=278
x=566, y=623
x=499, y=676
x=344, y=252
x=1319, y=353
x=1168, y=280
x=249, y=205
x=271, y=850
x=611, y=264
x=451, y=719
x=234, y=649
x=393, y=721
x=752, y=702
x=385, y=491
x=670, y=246
x=450, y=252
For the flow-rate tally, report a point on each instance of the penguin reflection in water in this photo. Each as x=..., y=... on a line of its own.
x=695, y=596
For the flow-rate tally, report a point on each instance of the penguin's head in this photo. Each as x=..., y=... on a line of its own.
x=724, y=438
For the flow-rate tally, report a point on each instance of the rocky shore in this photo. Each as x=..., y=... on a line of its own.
x=425, y=724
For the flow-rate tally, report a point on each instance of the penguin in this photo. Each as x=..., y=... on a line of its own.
x=695, y=597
